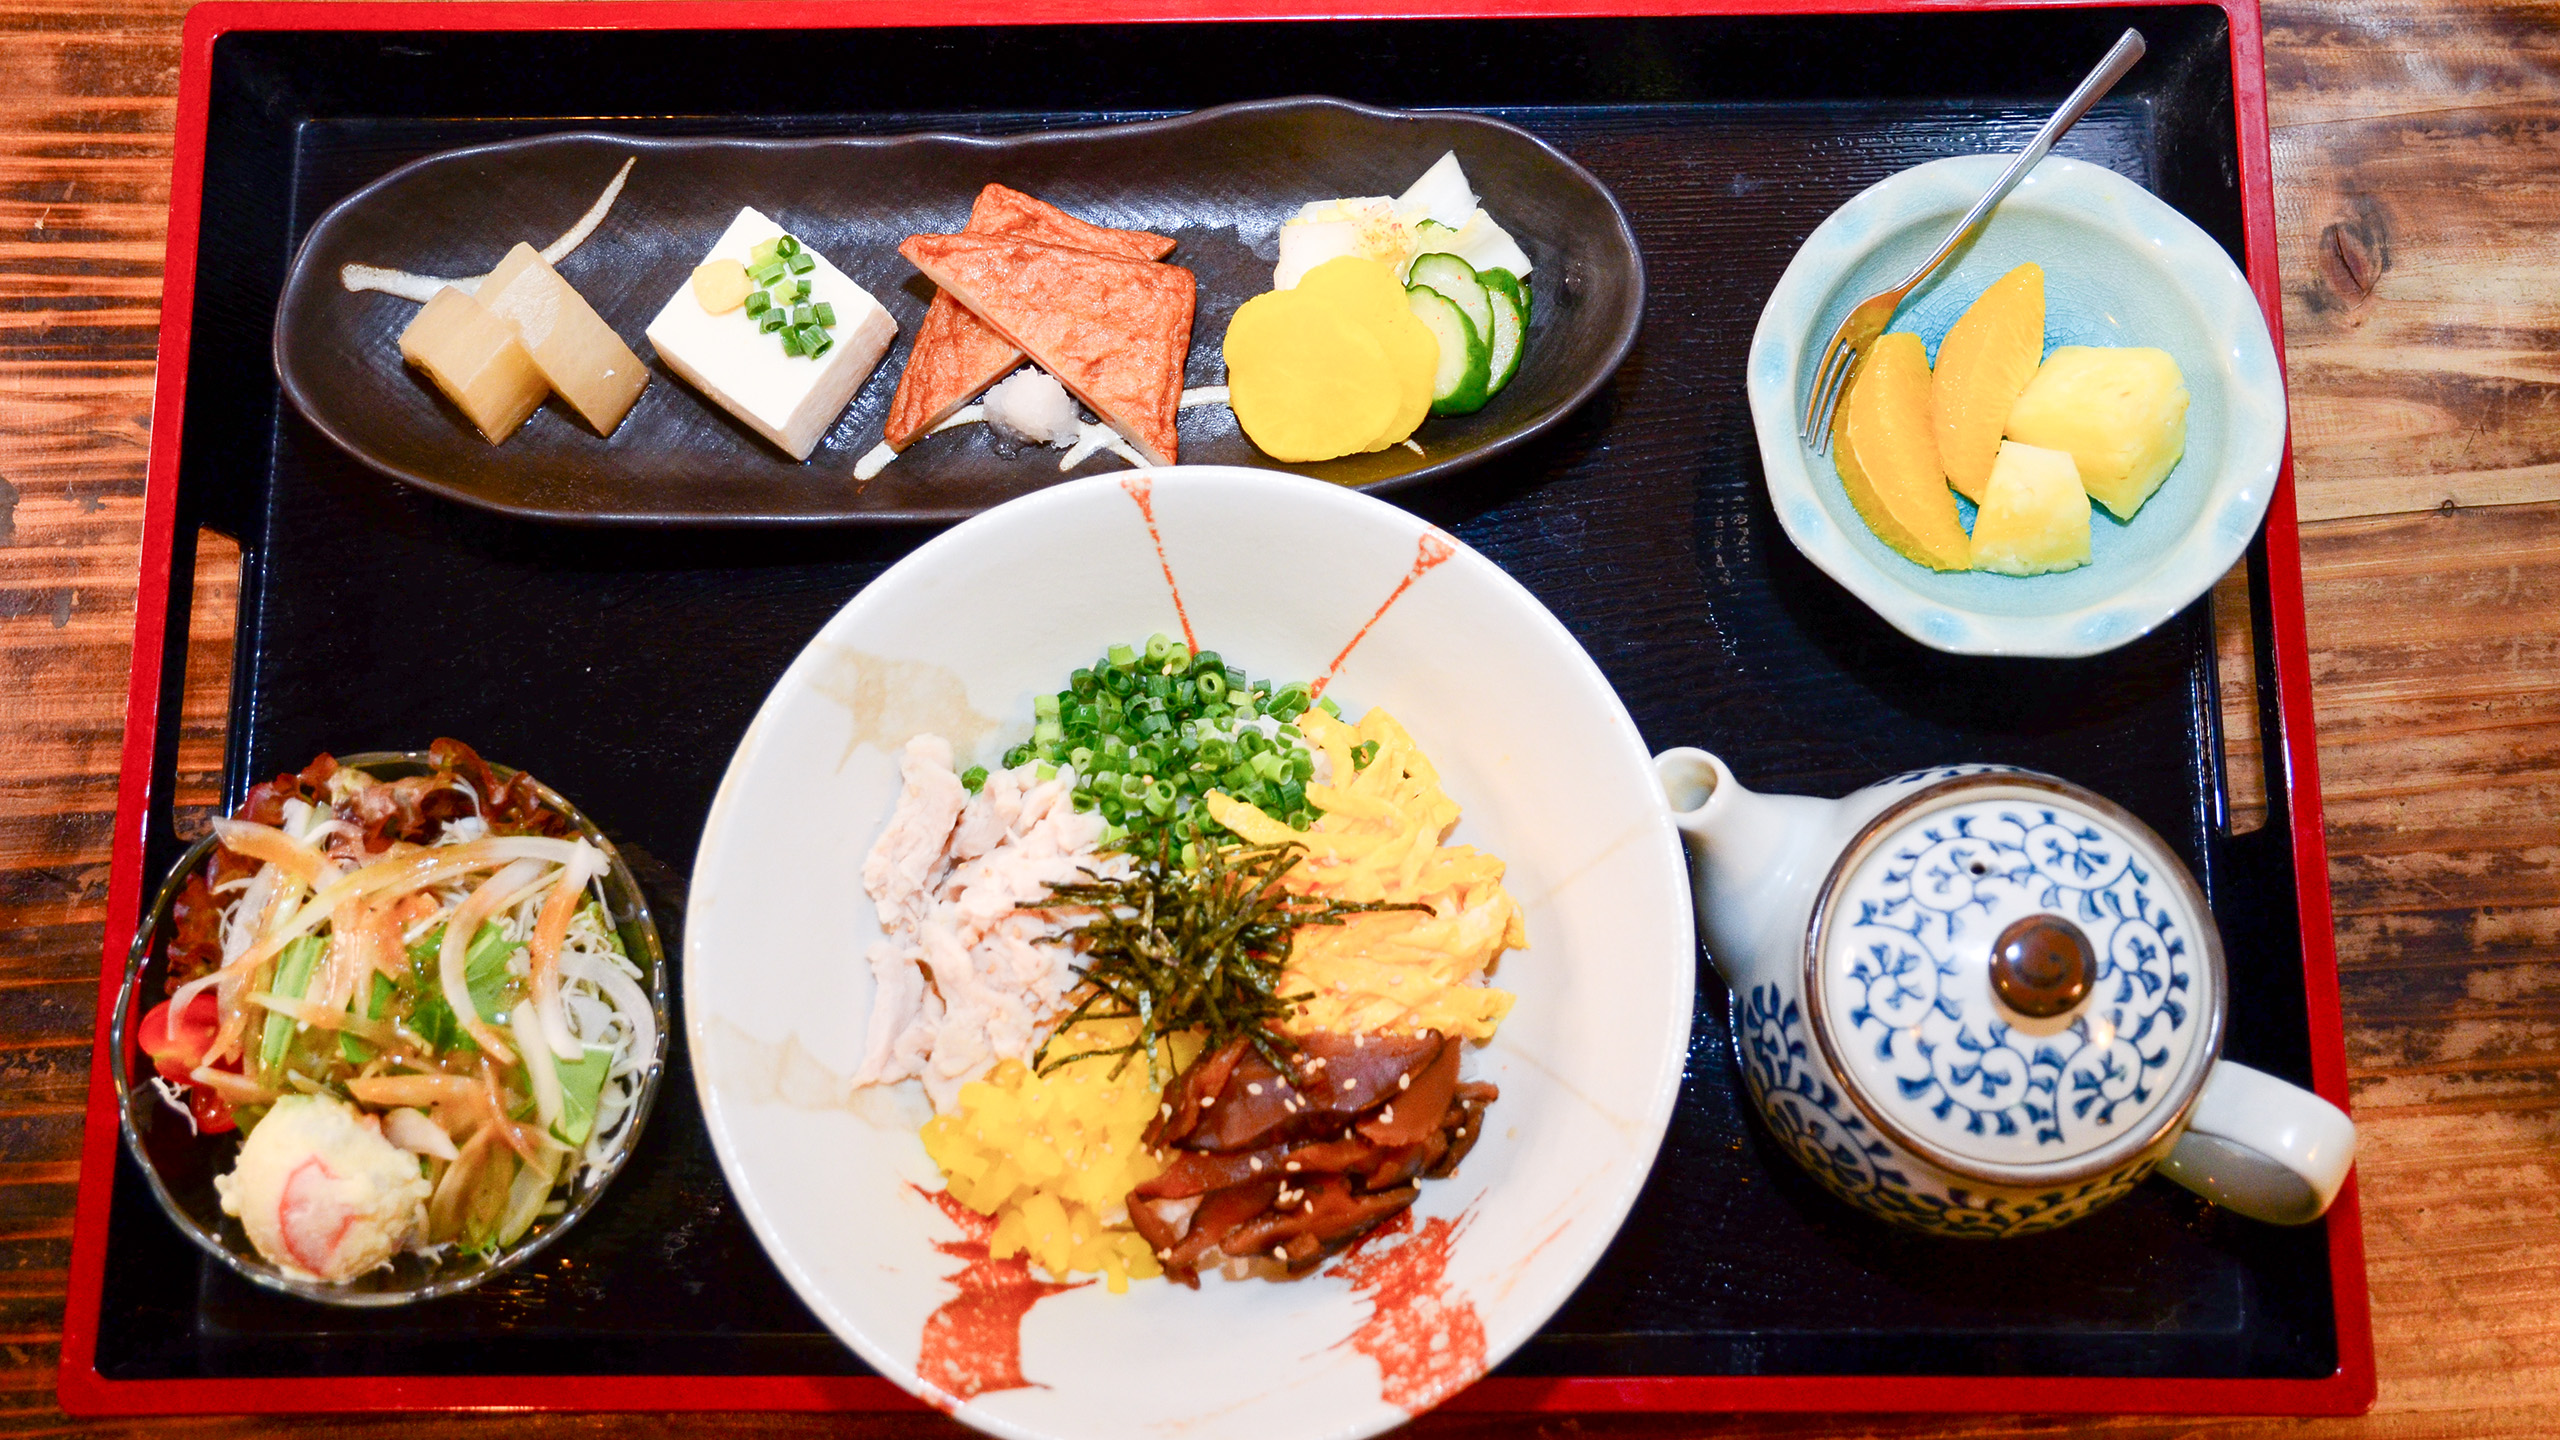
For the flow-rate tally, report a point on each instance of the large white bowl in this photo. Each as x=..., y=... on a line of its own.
x=1279, y=574
x=2121, y=268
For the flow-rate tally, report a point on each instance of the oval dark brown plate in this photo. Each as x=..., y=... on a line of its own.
x=1219, y=181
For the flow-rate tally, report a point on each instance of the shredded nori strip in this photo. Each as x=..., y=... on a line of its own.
x=1198, y=949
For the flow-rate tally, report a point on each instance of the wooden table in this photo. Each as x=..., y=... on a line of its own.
x=2417, y=162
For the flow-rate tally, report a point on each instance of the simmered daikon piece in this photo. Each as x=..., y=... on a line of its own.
x=585, y=362
x=476, y=360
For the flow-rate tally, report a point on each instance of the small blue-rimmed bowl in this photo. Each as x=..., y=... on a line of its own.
x=2121, y=268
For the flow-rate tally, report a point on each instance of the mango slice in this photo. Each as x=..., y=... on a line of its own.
x=1306, y=380
x=1367, y=291
x=2122, y=413
x=1984, y=364
x=2035, y=517
x=1887, y=454
x=475, y=360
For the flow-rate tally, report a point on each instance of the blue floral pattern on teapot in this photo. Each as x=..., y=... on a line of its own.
x=1913, y=926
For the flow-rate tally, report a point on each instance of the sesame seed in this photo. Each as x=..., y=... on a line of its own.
x=1257, y=1164
x=1164, y=1111
x=1404, y=1081
x=1311, y=1207
x=1165, y=1254
x=1279, y=1252
x=1291, y=1167
x=1388, y=1115
x=1253, y=1087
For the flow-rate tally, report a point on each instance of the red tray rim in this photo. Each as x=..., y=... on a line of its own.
x=82, y=1390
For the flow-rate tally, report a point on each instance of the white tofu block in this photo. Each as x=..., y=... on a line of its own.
x=788, y=399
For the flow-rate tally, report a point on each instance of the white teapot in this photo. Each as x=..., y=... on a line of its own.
x=1983, y=1001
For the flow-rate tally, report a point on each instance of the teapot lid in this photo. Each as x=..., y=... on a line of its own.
x=2016, y=978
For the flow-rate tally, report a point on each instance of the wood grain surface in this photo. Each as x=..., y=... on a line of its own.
x=2416, y=146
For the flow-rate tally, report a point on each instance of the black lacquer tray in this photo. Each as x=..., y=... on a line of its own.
x=622, y=667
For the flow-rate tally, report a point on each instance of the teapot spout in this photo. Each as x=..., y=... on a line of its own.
x=1754, y=862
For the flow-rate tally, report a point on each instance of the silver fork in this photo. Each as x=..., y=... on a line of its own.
x=1850, y=342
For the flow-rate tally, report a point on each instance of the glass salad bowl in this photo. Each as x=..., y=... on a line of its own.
x=181, y=1163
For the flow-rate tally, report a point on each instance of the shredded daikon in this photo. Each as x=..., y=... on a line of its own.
x=1091, y=439
x=423, y=288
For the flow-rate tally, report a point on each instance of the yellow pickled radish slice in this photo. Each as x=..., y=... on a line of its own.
x=1306, y=381
x=1367, y=291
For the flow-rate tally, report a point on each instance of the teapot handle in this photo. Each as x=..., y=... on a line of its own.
x=2262, y=1148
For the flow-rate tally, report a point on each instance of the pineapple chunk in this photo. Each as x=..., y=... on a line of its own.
x=586, y=363
x=2035, y=516
x=2121, y=413
x=474, y=359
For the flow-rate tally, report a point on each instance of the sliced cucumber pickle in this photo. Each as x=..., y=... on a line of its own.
x=1509, y=328
x=1462, y=383
x=1503, y=280
x=1456, y=279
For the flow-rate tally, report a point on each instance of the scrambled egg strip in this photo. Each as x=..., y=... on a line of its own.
x=1379, y=840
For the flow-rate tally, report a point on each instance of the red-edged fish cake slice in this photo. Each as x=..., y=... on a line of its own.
x=1114, y=331
x=956, y=357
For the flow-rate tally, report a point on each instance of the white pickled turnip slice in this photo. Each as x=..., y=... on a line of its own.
x=1306, y=244
x=1487, y=246
x=1441, y=194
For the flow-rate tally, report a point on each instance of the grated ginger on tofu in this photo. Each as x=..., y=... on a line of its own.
x=1053, y=1157
x=1379, y=839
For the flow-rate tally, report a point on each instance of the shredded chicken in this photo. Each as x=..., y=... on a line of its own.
x=971, y=968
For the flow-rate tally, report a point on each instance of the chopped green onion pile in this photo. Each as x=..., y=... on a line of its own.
x=1149, y=732
x=779, y=305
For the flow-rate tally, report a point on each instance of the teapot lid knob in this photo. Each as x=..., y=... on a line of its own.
x=2041, y=966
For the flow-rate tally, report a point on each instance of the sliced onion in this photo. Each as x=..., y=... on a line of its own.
x=543, y=950
x=415, y=1133
x=379, y=1032
x=445, y=1208
x=265, y=842
x=527, y=1143
x=412, y=1089
x=527, y=1195
x=238, y=1089
x=627, y=997
x=413, y=871
x=548, y=1102
x=458, y=933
